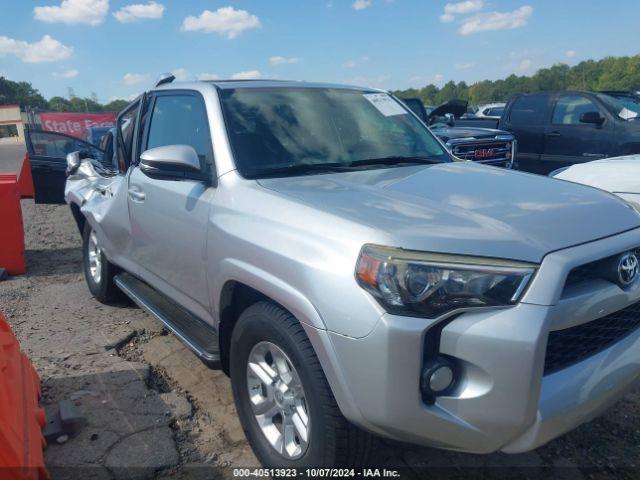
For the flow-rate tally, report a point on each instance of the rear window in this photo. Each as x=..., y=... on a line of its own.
x=528, y=110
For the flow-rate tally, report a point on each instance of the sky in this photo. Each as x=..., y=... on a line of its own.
x=117, y=48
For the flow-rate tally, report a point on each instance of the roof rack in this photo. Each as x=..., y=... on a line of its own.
x=165, y=78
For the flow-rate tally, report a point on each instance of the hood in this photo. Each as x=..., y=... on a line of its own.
x=445, y=132
x=465, y=208
x=617, y=175
x=456, y=107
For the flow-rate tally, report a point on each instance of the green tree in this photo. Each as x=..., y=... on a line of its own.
x=611, y=73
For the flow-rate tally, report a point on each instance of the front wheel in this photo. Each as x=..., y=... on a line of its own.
x=98, y=272
x=284, y=402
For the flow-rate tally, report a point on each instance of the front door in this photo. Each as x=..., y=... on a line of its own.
x=568, y=140
x=169, y=216
x=48, y=158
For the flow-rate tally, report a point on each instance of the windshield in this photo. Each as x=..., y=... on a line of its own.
x=626, y=107
x=292, y=131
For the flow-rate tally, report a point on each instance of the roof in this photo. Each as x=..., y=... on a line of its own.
x=233, y=84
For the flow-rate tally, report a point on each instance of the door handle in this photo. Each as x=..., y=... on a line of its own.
x=553, y=134
x=136, y=195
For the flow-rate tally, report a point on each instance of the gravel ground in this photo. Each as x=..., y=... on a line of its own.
x=154, y=410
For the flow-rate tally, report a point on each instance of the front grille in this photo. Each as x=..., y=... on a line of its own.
x=572, y=345
x=604, y=268
x=498, y=152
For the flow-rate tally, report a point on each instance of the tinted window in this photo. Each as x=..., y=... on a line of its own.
x=55, y=145
x=528, y=110
x=180, y=120
x=273, y=128
x=496, y=112
x=569, y=108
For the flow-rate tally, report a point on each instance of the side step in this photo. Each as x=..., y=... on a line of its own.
x=195, y=333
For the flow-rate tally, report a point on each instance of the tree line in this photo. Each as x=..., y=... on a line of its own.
x=611, y=73
x=25, y=95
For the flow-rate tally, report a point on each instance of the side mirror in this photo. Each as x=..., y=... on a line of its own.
x=449, y=119
x=73, y=162
x=175, y=161
x=591, y=117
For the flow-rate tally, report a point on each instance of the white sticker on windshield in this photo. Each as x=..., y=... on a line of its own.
x=385, y=104
x=627, y=114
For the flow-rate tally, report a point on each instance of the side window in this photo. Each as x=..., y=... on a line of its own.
x=180, y=120
x=56, y=145
x=125, y=127
x=528, y=110
x=496, y=111
x=569, y=108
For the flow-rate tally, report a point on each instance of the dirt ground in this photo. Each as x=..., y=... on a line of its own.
x=153, y=410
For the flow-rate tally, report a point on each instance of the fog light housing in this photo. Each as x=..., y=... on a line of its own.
x=439, y=377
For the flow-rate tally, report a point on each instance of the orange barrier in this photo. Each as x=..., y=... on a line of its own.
x=11, y=230
x=21, y=419
x=25, y=179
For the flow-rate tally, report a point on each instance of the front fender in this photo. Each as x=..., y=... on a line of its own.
x=232, y=269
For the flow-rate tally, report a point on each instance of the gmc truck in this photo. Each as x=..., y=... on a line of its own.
x=558, y=129
x=319, y=245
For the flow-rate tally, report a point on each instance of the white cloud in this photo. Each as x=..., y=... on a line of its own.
x=438, y=78
x=525, y=65
x=361, y=4
x=460, y=8
x=496, y=21
x=226, y=21
x=277, y=60
x=139, y=11
x=181, y=74
x=47, y=49
x=207, y=76
x=248, y=75
x=68, y=74
x=90, y=12
x=463, y=7
x=356, y=62
x=135, y=78
x=464, y=66
x=570, y=53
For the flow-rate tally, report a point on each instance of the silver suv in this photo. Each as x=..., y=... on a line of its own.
x=319, y=244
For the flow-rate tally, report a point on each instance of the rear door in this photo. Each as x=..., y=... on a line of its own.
x=570, y=141
x=48, y=157
x=525, y=118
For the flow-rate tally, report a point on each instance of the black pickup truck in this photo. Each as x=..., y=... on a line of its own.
x=466, y=138
x=557, y=129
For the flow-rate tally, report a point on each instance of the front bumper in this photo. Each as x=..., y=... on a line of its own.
x=503, y=401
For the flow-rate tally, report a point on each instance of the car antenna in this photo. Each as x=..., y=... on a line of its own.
x=165, y=78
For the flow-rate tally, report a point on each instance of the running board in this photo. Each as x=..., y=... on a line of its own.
x=193, y=332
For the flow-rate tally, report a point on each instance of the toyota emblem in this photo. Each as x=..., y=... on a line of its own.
x=627, y=269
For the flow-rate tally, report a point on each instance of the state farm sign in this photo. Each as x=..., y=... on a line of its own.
x=75, y=124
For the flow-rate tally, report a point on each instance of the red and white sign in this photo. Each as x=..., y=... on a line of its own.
x=75, y=124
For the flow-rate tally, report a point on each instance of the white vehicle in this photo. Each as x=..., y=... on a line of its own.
x=618, y=175
x=490, y=110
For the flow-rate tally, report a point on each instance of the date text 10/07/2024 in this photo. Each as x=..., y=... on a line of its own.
x=315, y=473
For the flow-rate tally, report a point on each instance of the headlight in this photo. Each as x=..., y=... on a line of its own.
x=429, y=285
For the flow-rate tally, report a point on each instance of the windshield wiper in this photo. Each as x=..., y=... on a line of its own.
x=313, y=168
x=393, y=160
x=299, y=169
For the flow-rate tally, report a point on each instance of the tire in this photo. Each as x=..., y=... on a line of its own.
x=98, y=274
x=331, y=440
